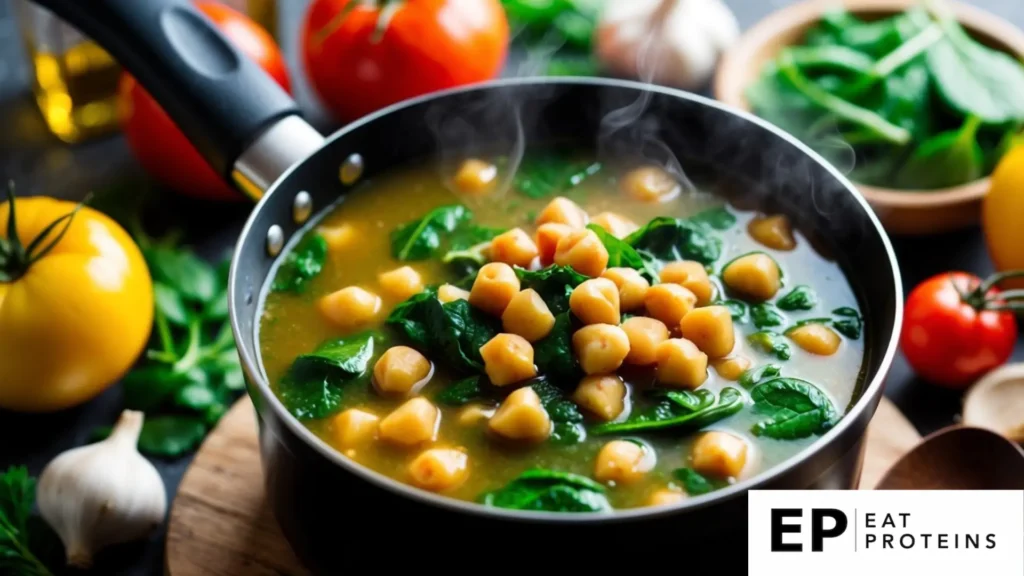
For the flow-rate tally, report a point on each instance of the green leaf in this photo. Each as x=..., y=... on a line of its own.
x=847, y=322
x=719, y=219
x=421, y=239
x=196, y=397
x=770, y=343
x=549, y=490
x=766, y=315
x=554, y=284
x=974, y=79
x=794, y=409
x=554, y=354
x=622, y=255
x=23, y=537
x=672, y=239
x=301, y=265
x=169, y=302
x=183, y=272
x=451, y=333
x=467, y=248
x=462, y=392
x=737, y=309
x=834, y=58
x=684, y=410
x=947, y=159
x=171, y=436
x=312, y=388
x=693, y=482
x=565, y=415
x=150, y=387
x=543, y=176
x=801, y=297
x=754, y=376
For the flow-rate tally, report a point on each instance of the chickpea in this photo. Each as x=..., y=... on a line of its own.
x=473, y=414
x=692, y=276
x=772, y=231
x=710, y=328
x=596, y=301
x=664, y=497
x=412, y=423
x=650, y=184
x=681, y=363
x=514, y=248
x=603, y=396
x=563, y=211
x=719, y=455
x=632, y=287
x=508, y=358
x=494, y=287
x=521, y=417
x=731, y=368
x=439, y=469
x=623, y=462
x=601, y=348
x=339, y=238
x=475, y=176
x=645, y=334
x=528, y=316
x=548, y=237
x=447, y=293
x=401, y=370
x=401, y=283
x=618, y=226
x=669, y=303
x=583, y=251
x=354, y=427
x=754, y=275
x=350, y=307
x=815, y=338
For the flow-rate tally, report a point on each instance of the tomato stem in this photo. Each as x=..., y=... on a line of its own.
x=1008, y=301
x=16, y=259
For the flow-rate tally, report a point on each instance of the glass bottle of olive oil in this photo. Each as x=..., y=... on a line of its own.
x=74, y=80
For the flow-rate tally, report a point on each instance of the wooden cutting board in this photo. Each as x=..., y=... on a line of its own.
x=221, y=526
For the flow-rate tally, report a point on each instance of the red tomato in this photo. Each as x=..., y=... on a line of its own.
x=949, y=338
x=360, y=59
x=158, y=144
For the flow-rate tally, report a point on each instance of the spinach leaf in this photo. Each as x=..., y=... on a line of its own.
x=693, y=482
x=420, y=239
x=947, y=159
x=622, y=255
x=801, y=297
x=794, y=409
x=737, y=309
x=770, y=343
x=565, y=416
x=554, y=284
x=847, y=322
x=148, y=387
x=673, y=239
x=833, y=58
x=312, y=387
x=974, y=79
x=766, y=315
x=182, y=271
x=754, y=376
x=715, y=218
x=171, y=435
x=451, y=333
x=686, y=410
x=549, y=175
x=549, y=490
x=301, y=265
x=169, y=302
x=468, y=246
x=462, y=392
x=554, y=355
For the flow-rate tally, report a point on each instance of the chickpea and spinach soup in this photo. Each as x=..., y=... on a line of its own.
x=578, y=337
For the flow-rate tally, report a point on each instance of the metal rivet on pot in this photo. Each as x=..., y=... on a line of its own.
x=351, y=169
x=275, y=240
x=302, y=207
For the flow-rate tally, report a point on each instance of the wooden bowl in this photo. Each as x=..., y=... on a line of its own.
x=901, y=211
x=958, y=458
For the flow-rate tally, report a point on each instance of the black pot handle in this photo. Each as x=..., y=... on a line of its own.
x=222, y=100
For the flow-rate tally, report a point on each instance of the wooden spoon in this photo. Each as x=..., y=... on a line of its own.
x=959, y=458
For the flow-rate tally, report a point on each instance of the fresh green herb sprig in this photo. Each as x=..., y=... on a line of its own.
x=20, y=532
x=560, y=31
x=190, y=374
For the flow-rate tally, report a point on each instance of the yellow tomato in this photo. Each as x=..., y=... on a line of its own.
x=74, y=320
x=1003, y=215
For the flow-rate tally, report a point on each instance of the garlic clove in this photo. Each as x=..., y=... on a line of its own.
x=102, y=494
x=996, y=402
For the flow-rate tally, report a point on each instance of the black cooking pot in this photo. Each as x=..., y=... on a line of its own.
x=330, y=508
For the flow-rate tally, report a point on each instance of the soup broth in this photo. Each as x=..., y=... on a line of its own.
x=790, y=371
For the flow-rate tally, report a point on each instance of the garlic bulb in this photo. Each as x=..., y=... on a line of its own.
x=102, y=494
x=669, y=42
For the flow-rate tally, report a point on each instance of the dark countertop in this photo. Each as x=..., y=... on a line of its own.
x=41, y=165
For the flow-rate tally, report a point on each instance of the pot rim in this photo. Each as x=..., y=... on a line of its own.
x=868, y=397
